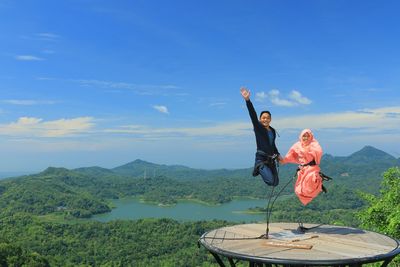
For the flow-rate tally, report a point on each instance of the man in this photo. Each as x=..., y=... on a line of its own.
x=267, y=153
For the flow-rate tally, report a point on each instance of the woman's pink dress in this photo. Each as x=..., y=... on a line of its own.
x=309, y=182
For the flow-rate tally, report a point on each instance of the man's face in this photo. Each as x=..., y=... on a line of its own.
x=265, y=119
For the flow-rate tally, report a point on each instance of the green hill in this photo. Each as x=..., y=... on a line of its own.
x=369, y=155
x=43, y=216
x=140, y=168
x=53, y=190
x=361, y=170
x=83, y=192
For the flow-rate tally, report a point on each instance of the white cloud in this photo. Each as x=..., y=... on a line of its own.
x=106, y=84
x=36, y=127
x=342, y=132
x=359, y=122
x=380, y=119
x=48, y=35
x=28, y=58
x=367, y=121
x=27, y=102
x=295, y=98
x=217, y=104
x=336, y=130
x=223, y=129
x=261, y=96
x=48, y=51
x=275, y=98
x=140, y=89
x=44, y=78
x=385, y=110
x=162, y=109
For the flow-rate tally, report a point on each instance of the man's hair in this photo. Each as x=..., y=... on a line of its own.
x=265, y=111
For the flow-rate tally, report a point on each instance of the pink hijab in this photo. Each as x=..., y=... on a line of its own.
x=304, y=152
x=309, y=182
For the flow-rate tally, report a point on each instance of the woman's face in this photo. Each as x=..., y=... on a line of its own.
x=305, y=137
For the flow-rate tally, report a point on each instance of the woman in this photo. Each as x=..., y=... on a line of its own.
x=307, y=153
x=267, y=153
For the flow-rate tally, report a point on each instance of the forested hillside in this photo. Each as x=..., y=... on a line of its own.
x=44, y=217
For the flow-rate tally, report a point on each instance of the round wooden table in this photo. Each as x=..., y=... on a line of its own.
x=324, y=245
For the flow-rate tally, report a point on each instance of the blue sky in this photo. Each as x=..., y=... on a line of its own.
x=86, y=83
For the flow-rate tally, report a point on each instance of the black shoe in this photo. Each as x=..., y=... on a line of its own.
x=324, y=177
x=301, y=229
x=324, y=189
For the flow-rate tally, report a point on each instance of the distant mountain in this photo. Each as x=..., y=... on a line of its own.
x=140, y=168
x=83, y=192
x=144, y=168
x=370, y=155
x=362, y=169
x=95, y=171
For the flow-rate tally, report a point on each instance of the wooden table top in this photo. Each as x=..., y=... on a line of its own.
x=326, y=244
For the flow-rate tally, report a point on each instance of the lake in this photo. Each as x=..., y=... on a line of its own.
x=133, y=209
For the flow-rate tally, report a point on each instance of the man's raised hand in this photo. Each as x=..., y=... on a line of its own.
x=245, y=93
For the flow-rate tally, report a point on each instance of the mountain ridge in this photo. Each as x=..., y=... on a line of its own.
x=368, y=157
x=362, y=169
x=82, y=192
x=365, y=155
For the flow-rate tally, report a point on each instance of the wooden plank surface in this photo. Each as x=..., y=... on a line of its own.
x=324, y=243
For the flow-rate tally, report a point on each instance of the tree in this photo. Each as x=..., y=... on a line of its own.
x=383, y=213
